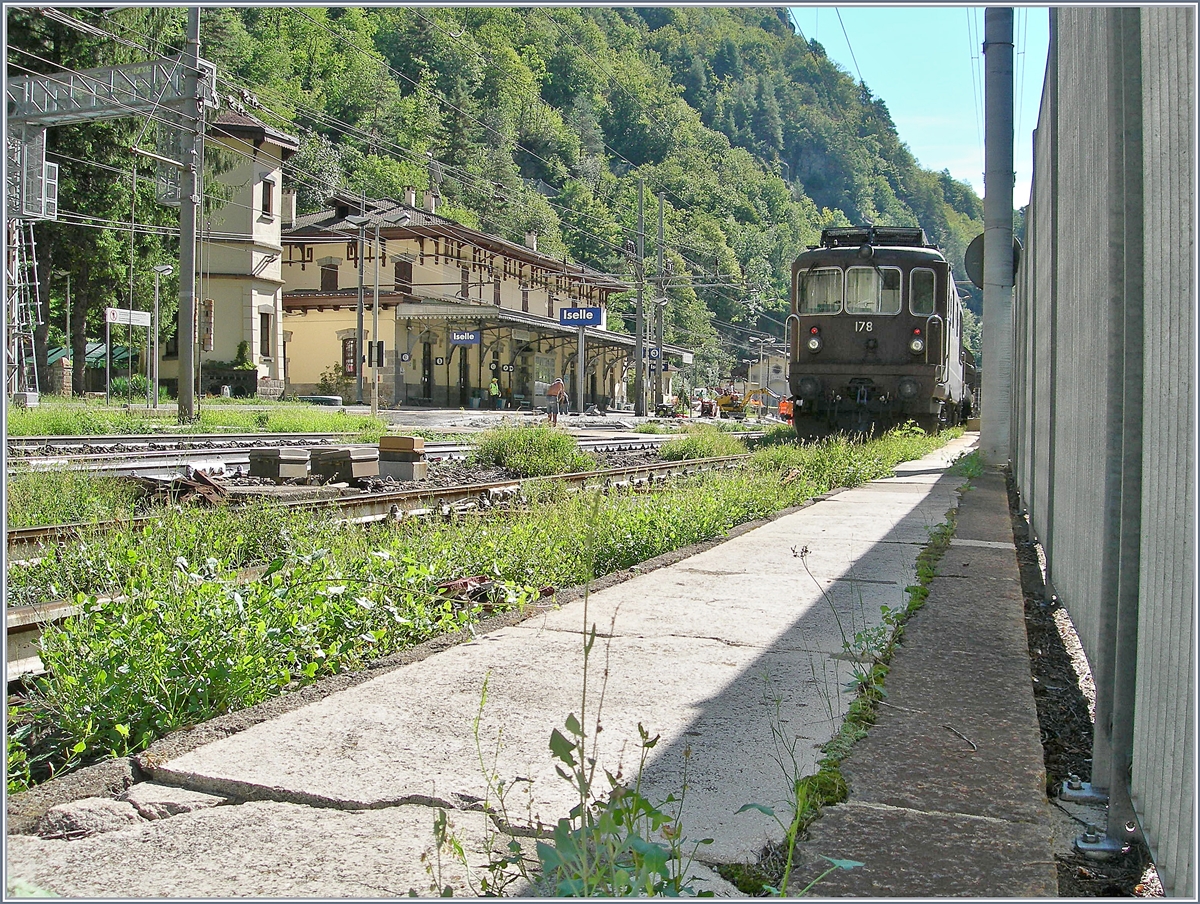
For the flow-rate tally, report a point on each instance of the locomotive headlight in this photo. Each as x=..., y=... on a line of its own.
x=815, y=343
x=907, y=389
x=916, y=344
x=809, y=387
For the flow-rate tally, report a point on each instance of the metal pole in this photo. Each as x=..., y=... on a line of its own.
x=995, y=414
x=358, y=367
x=188, y=210
x=658, y=312
x=107, y=361
x=580, y=365
x=69, y=320
x=154, y=378
x=639, y=379
x=375, y=331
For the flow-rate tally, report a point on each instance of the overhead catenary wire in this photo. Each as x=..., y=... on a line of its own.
x=975, y=65
x=849, y=46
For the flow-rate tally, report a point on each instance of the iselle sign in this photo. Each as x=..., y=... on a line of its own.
x=465, y=337
x=579, y=316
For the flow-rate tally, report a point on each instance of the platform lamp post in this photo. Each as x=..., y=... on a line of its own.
x=159, y=271
x=375, y=362
x=762, y=344
x=361, y=222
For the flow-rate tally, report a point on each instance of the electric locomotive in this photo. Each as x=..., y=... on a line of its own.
x=875, y=333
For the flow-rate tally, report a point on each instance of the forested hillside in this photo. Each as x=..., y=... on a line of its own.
x=532, y=120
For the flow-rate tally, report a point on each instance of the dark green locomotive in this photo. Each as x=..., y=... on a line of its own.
x=875, y=333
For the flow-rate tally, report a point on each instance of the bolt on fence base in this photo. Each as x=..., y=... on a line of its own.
x=1096, y=845
x=1080, y=792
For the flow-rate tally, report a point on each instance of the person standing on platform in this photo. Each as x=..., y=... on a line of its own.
x=555, y=394
x=494, y=392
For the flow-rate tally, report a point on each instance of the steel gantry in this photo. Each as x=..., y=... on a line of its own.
x=172, y=92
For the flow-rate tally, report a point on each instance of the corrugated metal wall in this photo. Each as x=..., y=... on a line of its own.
x=1103, y=449
x=1164, y=725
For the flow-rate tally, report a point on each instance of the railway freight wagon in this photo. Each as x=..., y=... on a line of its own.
x=875, y=333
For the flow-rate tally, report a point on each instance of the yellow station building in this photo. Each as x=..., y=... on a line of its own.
x=457, y=307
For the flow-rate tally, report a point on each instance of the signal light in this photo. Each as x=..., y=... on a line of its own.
x=815, y=330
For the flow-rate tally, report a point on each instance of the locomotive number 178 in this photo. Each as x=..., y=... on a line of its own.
x=863, y=326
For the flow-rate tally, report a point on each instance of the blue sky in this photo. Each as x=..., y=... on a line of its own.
x=927, y=66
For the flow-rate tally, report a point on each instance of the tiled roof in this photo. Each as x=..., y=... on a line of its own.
x=240, y=124
x=397, y=220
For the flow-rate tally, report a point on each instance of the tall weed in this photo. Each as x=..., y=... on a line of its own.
x=532, y=451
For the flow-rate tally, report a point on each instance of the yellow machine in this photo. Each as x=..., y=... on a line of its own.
x=754, y=403
x=731, y=404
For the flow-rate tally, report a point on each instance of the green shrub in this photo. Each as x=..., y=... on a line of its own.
x=187, y=647
x=127, y=388
x=531, y=451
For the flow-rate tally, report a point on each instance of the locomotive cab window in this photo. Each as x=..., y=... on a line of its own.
x=873, y=290
x=922, y=285
x=820, y=292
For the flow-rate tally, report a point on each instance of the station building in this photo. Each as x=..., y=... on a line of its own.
x=239, y=289
x=457, y=307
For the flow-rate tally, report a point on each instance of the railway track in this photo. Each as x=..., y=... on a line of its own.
x=24, y=623
x=219, y=456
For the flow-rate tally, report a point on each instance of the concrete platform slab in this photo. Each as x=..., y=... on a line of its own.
x=925, y=855
x=258, y=849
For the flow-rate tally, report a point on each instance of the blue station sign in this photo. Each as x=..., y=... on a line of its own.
x=465, y=337
x=579, y=316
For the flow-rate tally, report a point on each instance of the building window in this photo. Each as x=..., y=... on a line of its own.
x=349, y=357
x=264, y=335
x=404, y=277
x=524, y=299
x=549, y=304
x=268, y=198
x=329, y=278
x=171, y=347
x=496, y=291
x=465, y=289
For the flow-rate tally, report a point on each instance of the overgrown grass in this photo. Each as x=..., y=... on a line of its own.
x=66, y=496
x=70, y=418
x=531, y=451
x=701, y=441
x=188, y=638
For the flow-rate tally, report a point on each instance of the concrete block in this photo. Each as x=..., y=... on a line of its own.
x=345, y=464
x=279, y=464
x=403, y=470
x=402, y=456
x=89, y=816
x=154, y=801
x=402, y=444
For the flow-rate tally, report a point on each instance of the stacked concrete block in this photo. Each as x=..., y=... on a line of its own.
x=403, y=458
x=345, y=465
x=279, y=464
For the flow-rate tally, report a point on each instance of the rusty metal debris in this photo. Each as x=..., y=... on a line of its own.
x=197, y=487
